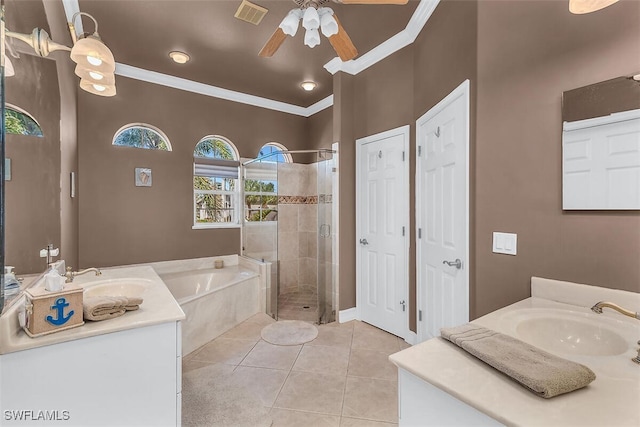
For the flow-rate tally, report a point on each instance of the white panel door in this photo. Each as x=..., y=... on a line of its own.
x=382, y=207
x=442, y=215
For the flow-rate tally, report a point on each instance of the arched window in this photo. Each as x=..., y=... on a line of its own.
x=19, y=122
x=140, y=135
x=215, y=183
x=275, y=153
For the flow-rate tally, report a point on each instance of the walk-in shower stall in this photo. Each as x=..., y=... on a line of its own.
x=288, y=221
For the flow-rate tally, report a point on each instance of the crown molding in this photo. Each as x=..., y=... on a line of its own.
x=404, y=38
x=377, y=54
x=149, y=76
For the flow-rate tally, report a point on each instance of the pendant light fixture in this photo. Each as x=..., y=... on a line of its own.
x=95, y=62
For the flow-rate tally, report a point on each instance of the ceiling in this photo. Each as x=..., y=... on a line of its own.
x=224, y=50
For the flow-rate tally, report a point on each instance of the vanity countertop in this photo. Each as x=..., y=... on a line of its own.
x=158, y=306
x=612, y=399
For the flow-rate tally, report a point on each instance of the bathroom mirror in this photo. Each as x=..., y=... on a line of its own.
x=601, y=99
x=2, y=171
x=601, y=146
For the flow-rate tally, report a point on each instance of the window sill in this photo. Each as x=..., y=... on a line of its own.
x=214, y=226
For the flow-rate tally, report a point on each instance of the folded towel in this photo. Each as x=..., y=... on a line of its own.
x=133, y=303
x=541, y=372
x=105, y=307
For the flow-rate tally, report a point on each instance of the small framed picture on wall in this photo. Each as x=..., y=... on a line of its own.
x=143, y=177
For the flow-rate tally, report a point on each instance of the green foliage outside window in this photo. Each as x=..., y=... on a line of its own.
x=141, y=137
x=19, y=123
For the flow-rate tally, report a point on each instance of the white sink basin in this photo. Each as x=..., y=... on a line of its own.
x=116, y=288
x=573, y=333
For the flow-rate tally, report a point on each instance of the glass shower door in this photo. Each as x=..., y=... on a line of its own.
x=326, y=297
x=260, y=231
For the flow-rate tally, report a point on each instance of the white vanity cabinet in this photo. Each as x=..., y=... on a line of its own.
x=126, y=378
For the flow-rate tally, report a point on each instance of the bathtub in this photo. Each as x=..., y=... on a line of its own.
x=213, y=300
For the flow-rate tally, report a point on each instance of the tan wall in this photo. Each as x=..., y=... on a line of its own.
x=123, y=224
x=68, y=83
x=320, y=129
x=522, y=75
x=393, y=93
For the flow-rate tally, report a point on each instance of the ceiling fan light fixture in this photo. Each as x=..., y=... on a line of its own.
x=290, y=23
x=308, y=85
x=311, y=19
x=328, y=23
x=179, y=57
x=580, y=7
x=312, y=38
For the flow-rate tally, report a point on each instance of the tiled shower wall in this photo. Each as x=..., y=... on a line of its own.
x=297, y=226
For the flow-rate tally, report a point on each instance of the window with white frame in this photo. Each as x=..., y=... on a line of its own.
x=215, y=183
x=141, y=135
x=274, y=152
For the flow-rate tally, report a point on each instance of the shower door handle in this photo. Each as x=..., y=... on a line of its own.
x=364, y=242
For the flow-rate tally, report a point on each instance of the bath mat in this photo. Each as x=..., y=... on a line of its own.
x=210, y=398
x=289, y=332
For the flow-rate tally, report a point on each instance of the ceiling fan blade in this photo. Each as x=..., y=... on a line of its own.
x=272, y=45
x=342, y=43
x=373, y=1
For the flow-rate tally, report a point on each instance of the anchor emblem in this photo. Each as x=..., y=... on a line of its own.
x=59, y=306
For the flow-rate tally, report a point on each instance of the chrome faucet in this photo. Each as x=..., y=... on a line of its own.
x=598, y=309
x=602, y=304
x=70, y=275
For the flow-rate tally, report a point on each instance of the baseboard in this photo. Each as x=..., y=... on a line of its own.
x=411, y=337
x=347, y=315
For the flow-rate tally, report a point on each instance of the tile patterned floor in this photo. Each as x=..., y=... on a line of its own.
x=341, y=379
x=301, y=304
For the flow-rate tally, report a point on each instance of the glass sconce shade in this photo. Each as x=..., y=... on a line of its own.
x=95, y=76
x=587, y=6
x=92, y=54
x=311, y=19
x=97, y=88
x=312, y=37
x=289, y=24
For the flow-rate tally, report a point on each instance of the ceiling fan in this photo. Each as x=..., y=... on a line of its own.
x=317, y=18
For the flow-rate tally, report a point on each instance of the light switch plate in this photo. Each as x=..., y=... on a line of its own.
x=505, y=243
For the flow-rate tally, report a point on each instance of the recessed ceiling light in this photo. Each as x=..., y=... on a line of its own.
x=179, y=57
x=308, y=85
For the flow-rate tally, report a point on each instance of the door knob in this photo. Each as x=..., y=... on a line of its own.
x=364, y=242
x=457, y=263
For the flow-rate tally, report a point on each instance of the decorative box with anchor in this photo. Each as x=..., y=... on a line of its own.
x=55, y=307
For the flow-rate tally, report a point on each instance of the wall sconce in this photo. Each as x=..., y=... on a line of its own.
x=95, y=63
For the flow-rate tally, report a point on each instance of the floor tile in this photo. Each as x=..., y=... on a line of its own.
x=371, y=364
x=323, y=360
x=334, y=337
x=261, y=319
x=372, y=338
x=355, y=422
x=266, y=355
x=263, y=383
x=306, y=391
x=371, y=399
x=289, y=418
x=245, y=331
x=224, y=350
x=192, y=365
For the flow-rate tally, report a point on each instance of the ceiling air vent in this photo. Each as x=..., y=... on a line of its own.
x=251, y=13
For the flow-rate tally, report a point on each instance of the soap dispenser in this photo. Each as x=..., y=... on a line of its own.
x=11, y=284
